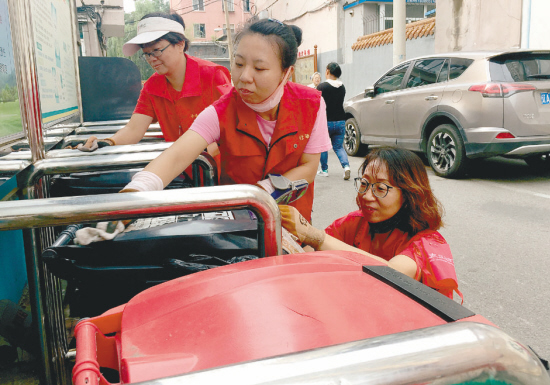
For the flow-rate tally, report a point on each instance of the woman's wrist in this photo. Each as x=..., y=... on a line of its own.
x=111, y=141
x=314, y=237
x=266, y=185
x=145, y=181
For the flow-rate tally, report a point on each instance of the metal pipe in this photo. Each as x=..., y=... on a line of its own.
x=107, y=122
x=110, y=150
x=76, y=35
x=12, y=166
x=83, y=163
x=446, y=354
x=37, y=213
x=81, y=138
x=27, y=78
x=68, y=153
x=111, y=129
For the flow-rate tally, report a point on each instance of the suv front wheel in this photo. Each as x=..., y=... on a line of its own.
x=445, y=152
x=352, y=139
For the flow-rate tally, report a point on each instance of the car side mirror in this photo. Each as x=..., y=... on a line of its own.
x=369, y=92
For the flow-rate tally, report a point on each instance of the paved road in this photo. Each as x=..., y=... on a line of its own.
x=497, y=224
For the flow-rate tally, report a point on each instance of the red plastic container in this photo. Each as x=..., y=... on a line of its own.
x=247, y=311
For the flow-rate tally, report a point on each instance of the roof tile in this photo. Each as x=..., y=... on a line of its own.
x=421, y=28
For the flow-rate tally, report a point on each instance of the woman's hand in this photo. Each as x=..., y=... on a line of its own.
x=297, y=225
x=91, y=144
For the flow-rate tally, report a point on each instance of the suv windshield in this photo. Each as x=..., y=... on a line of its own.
x=520, y=67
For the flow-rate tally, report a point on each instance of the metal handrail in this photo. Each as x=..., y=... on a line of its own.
x=34, y=172
x=110, y=150
x=45, y=290
x=109, y=129
x=12, y=166
x=147, y=137
x=37, y=213
x=443, y=355
x=122, y=122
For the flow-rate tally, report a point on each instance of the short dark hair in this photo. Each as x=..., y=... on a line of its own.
x=334, y=69
x=171, y=37
x=288, y=38
x=407, y=172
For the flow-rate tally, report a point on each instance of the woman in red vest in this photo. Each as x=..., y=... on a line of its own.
x=263, y=126
x=181, y=87
x=396, y=223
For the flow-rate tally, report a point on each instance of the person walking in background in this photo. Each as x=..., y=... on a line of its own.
x=316, y=79
x=333, y=92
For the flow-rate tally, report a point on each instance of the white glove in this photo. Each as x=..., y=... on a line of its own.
x=103, y=231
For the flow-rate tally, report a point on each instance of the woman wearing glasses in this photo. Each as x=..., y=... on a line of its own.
x=180, y=89
x=263, y=126
x=396, y=223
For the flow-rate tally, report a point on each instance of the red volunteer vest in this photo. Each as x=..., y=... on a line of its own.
x=175, y=111
x=246, y=158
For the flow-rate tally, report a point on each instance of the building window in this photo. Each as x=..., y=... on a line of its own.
x=200, y=31
x=230, y=5
x=246, y=5
x=198, y=5
x=232, y=26
x=413, y=12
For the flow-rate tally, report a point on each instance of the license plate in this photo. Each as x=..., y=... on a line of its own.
x=545, y=97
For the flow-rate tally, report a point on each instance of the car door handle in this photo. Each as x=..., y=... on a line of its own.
x=431, y=97
x=389, y=101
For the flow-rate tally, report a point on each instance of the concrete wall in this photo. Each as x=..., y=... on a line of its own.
x=472, y=25
x=369, y=64
x=355, y=20
x=214, y=52
x=535, y=24
x=322, y=24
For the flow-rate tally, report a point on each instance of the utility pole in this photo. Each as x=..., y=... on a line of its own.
x=228, y=29
x=399, y=28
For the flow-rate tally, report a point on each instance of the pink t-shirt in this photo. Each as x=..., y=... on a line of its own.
x=207, y=125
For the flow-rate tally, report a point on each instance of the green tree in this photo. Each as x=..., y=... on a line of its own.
x=114, y=44
x=9, y=94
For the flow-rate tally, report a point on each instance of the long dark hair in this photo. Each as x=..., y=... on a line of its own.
x=172, y=37
x=287, y=37
x=407, y=172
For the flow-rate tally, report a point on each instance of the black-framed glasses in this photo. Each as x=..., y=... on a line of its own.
x=379, y=189
x=156, y=53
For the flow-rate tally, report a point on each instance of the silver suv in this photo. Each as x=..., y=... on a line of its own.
x=458, y=106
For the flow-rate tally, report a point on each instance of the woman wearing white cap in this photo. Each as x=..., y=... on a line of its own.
x=180, y=89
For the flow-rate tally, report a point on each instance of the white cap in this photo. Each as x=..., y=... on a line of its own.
x=150, y=29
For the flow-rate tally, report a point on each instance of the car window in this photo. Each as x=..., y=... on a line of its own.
x=425, y=72
x=444, y=73
x=458, y=66
x=520, y=67
x=392, y=80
